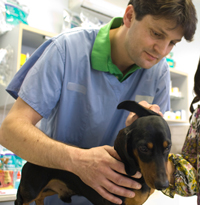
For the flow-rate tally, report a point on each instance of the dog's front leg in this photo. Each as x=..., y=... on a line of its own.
x=39, y=201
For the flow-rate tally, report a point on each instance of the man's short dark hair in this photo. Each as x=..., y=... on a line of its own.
x=182, y=12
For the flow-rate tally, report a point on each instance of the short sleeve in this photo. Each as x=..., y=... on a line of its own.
x=41, y=87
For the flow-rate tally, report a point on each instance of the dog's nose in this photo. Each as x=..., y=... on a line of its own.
x=159, y=185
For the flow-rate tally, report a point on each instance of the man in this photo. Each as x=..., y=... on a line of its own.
x=74, y=82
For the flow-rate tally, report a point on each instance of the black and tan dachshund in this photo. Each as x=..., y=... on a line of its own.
x=143, y=146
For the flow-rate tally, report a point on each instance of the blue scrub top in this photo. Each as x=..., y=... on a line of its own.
x=79, y=103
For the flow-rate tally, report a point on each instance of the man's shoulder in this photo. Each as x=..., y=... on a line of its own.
x=78, y=32
x=76, y=38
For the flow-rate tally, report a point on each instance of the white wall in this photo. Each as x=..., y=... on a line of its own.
x=46, y=15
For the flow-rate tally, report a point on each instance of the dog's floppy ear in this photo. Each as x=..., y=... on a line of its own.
x=122, y=140
x=133, y=106
x=120, y=146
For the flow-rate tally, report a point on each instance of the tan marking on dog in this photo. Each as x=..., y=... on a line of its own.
x=138, y=199
x=53, y=187
x=165, y=144
x=150, y=145
x=40, y=200
x=148, y=171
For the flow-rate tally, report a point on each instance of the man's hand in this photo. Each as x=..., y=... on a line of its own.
x=132, y=116
x=101, y=169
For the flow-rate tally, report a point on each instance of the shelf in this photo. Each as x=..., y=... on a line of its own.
x=176, y=121
x=32, y=37
x=8, y=195
x=172, y=97
x=177, y=73
x=22, y=39
x=179, y=79
x=23, y=35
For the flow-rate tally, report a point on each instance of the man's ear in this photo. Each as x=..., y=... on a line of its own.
x=129, y=16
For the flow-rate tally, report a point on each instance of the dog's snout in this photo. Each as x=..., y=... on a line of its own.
x=159, y=185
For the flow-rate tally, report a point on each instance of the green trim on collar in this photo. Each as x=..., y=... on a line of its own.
x=101, y=52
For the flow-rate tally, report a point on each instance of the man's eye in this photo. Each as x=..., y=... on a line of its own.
x=173, y=43
x=156, y=34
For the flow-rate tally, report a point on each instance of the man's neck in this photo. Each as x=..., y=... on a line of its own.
x=118, y=51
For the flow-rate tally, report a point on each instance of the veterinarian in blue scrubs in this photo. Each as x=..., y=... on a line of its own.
x=74, y=82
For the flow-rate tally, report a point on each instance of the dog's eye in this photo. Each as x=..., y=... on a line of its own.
x=143, y=149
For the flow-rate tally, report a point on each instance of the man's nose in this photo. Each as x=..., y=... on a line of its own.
x=162, y=48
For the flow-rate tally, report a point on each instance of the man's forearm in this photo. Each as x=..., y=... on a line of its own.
x=31, y=144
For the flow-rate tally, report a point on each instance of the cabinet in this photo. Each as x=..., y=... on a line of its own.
x=179, y=79
x=22, y=39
